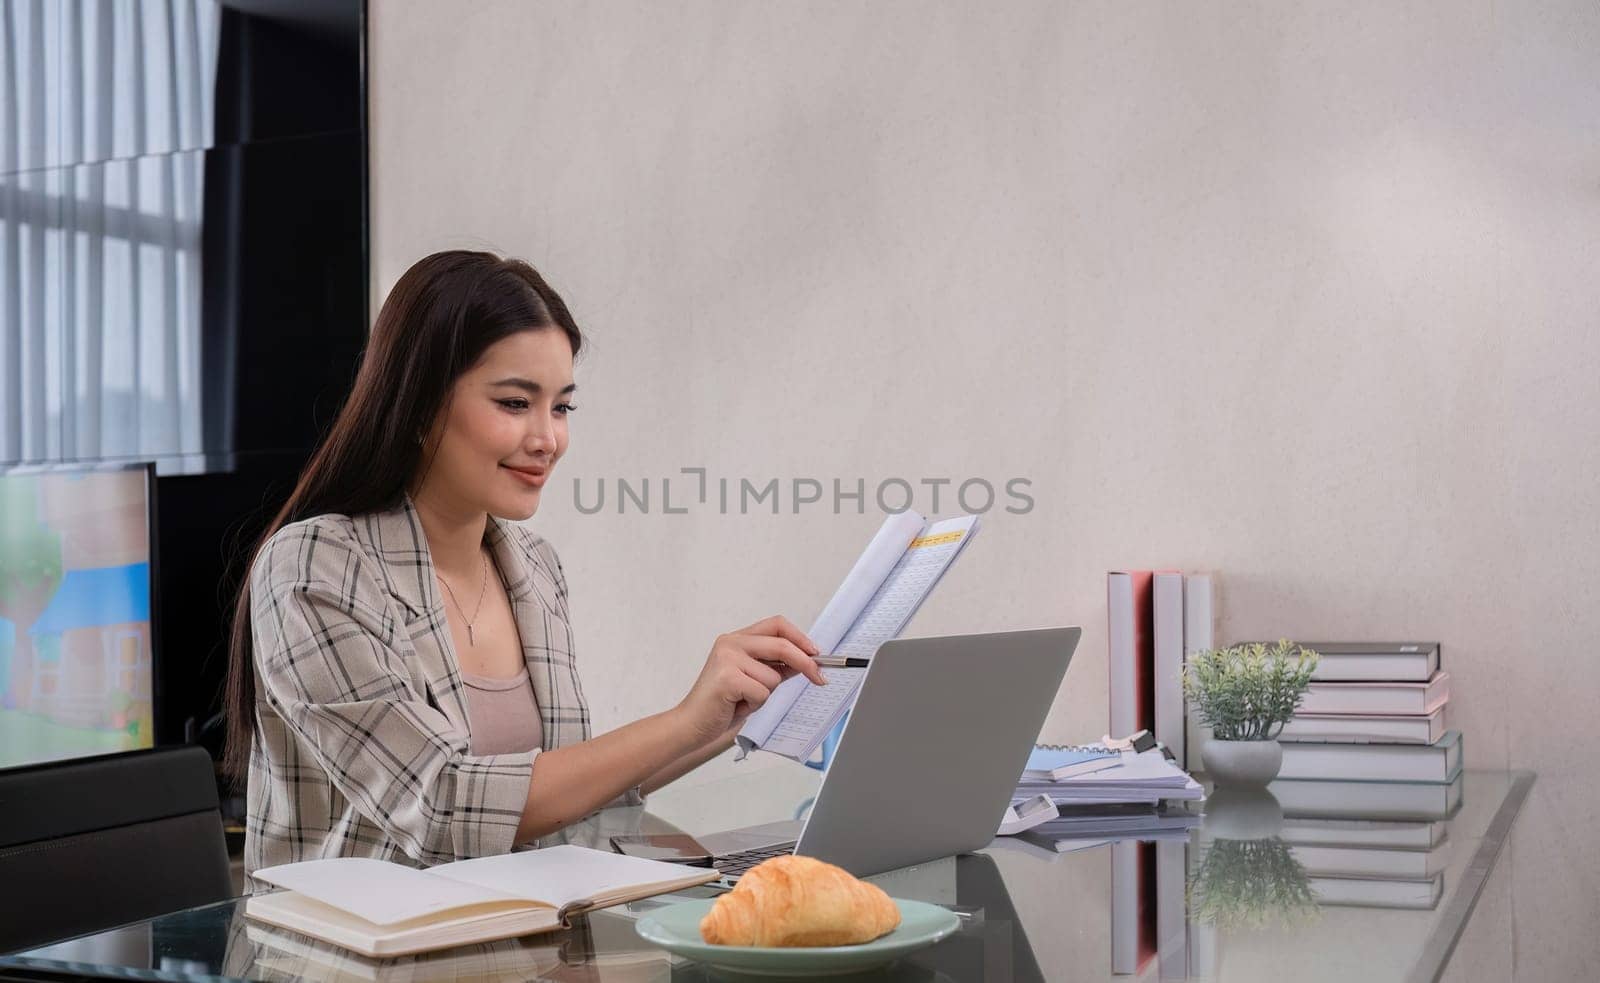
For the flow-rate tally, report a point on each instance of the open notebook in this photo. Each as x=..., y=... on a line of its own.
x=384, y=909
x=898, y=569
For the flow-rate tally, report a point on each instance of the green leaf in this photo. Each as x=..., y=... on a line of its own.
x=1248, y=692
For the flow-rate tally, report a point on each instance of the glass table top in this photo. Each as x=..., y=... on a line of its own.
x=1373, y=883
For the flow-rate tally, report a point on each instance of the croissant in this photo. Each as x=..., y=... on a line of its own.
x=799, y=901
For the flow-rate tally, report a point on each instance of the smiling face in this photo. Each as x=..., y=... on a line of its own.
x=496, y=443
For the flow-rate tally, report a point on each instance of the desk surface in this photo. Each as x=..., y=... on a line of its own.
x=1028, y=913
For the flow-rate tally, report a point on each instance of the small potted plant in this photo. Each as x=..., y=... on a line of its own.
x=1245, y=694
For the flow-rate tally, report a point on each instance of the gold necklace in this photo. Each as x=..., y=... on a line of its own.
x=483, y=583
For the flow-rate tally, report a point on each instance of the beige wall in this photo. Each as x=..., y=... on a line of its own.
x=1302, y=293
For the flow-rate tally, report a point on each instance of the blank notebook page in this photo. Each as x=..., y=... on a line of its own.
x=378, y=891
x=561, y=875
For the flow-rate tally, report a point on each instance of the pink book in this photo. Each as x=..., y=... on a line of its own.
x=1130, y=665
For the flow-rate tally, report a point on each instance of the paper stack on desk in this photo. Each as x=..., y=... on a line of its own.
x=1140, y=777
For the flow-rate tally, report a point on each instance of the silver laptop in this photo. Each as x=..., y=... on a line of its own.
x=930, y=758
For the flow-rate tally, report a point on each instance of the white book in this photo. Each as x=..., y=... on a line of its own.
x=384, y=909
x=1367, y=800
x=1342, y=861
x=1364, y=892
x=1377, y=833
x=1126, y=594
x=890, y=580
x=1199, y=635
x=1378, y=698
x=1439, y=762
x=1167, y=619
x=1366, y=728
x=1374, y=661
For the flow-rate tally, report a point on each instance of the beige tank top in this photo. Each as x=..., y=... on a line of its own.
x=503, y=714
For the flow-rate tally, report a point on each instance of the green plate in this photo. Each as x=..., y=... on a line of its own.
x=676, y=928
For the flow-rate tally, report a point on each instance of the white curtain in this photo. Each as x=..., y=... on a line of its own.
x=107, y=110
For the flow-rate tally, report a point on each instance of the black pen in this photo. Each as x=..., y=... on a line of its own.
x=829, y=662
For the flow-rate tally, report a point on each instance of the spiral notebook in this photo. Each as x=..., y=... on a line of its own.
x=1054, y=762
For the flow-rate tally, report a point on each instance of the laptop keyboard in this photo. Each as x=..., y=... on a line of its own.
x=733, y=864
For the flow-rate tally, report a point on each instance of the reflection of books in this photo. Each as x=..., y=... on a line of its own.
x=1069, y=841
x=890, y=580
x=1367, y=800
x=1362, y=833
x=1172, y=924
x=1133, y=907
x=285, y=955
x=1036, y=852
x=1340, y=861
x=1369, y=892
x=381, y=909
x=1114, y=822
x=604, y=943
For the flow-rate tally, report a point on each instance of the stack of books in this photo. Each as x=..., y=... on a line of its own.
x=1375, y=711
x=1369, y=771
x=1370, y=844
x=1156, y=621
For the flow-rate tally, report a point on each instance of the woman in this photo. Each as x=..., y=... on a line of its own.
x=402, y=682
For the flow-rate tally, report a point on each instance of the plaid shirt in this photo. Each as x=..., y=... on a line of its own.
x=361, y=723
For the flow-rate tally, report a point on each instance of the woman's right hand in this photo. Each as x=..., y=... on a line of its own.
x=743, y=669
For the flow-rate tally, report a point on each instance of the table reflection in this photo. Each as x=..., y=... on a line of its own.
x=1374, y=884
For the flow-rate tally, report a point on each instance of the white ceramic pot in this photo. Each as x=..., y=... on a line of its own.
x=1242, y=763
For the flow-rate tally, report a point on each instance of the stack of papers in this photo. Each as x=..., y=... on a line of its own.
x=1139, y=777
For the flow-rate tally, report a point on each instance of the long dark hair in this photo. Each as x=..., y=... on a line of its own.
x=434, y=326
